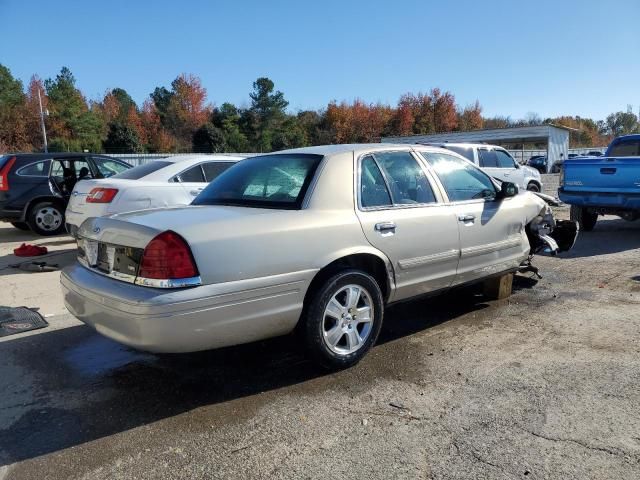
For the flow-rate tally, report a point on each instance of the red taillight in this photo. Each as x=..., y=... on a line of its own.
x=4, y=174
x=101, y=195
x=167, y=257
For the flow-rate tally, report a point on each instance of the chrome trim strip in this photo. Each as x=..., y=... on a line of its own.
x=491, y=247
x=428, y=259
x=169, y=283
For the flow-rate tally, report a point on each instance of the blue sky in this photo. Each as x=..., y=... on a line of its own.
x=549, y=57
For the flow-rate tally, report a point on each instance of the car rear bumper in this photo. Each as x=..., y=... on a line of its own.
x=185, y=320
x=622, y=201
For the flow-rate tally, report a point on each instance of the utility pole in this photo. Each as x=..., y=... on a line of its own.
x=44, y=130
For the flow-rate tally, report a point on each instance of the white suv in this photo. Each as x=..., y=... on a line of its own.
x=497, y=162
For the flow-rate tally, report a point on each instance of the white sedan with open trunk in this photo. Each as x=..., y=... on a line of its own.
x=168, y=181
x=318, y=240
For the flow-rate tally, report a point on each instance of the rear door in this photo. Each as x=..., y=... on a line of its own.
x=27, y=180
x=403, y=216
x=192, y=182
x=492, y=237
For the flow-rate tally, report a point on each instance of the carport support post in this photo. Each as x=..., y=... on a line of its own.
x=498, y=288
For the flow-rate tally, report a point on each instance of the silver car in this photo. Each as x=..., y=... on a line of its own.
x=318, y=239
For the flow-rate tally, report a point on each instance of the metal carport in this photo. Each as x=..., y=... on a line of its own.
x=556, y=137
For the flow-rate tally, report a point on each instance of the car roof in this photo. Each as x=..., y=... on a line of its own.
x=178, y=164
x=46, y=156
x=358, y=148
x=465, y=145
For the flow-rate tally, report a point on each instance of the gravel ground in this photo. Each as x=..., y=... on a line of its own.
x=545, y=384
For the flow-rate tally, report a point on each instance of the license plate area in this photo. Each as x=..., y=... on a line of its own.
x=106, y=257
x=113, y=260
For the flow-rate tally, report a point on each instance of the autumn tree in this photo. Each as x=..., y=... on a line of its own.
x=158, y=138
x=13, y=128
x=187, y=109
x=470, y=118
x=32, y=112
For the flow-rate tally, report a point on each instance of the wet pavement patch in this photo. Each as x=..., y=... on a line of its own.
x=19, y=319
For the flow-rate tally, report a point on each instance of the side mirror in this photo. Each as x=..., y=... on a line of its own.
x=507, y=190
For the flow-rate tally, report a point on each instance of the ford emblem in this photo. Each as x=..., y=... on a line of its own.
x=96, y=230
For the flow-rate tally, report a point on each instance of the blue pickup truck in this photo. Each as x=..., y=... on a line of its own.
x=608, y=185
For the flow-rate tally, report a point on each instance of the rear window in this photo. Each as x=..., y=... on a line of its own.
x=269, y=181
x=626, y=149
x=213, y=169
x=136, y=173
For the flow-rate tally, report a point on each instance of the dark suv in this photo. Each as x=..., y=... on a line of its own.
x=35, y=187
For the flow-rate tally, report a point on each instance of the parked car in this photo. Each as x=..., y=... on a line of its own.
x=498, y=163
x=595, y=153
x=539, y=162
x=35, y=187
x=608, y=185
x=320, y=239
x=170, y=181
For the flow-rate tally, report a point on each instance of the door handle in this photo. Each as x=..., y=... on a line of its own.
x=385, y=227
x=466, y=218
x=196, y=192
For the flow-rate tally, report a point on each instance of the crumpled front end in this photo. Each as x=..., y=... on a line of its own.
x=550, y=236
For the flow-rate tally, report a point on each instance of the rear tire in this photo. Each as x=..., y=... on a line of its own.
x=585, y=219
x=46, y=218
x=343, y=319
x=533, y=187
x=21, y=226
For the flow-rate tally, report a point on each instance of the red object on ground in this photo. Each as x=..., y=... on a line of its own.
x=25, y=250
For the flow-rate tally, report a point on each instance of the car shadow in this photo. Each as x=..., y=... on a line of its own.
x=83, y=387
x=11, y=234
x=610, y=235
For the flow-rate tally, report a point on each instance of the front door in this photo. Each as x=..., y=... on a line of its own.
x=402, y=216
x=492, y=236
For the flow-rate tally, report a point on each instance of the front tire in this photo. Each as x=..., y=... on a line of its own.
x=46, y=218
x=21, y=226
x=533, y=187
x=343, y=319
x=585, y=219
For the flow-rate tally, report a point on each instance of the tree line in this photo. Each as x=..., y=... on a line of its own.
x=178, y=118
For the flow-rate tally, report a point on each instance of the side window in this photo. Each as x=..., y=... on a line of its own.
x=109, y=168
x=39, y=169
x=194, y=174
x=488, y=158
x=373, y=190
x=505, y=160
x=466, y=152
x=461, y=180
x=407, y=180
x=81, y=169
x=213, y=169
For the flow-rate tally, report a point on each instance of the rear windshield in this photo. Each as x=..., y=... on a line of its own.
x=269, y=181
x=136, y=173
x=626, y=149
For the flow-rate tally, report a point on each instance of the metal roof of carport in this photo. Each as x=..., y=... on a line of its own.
x=535, y=134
